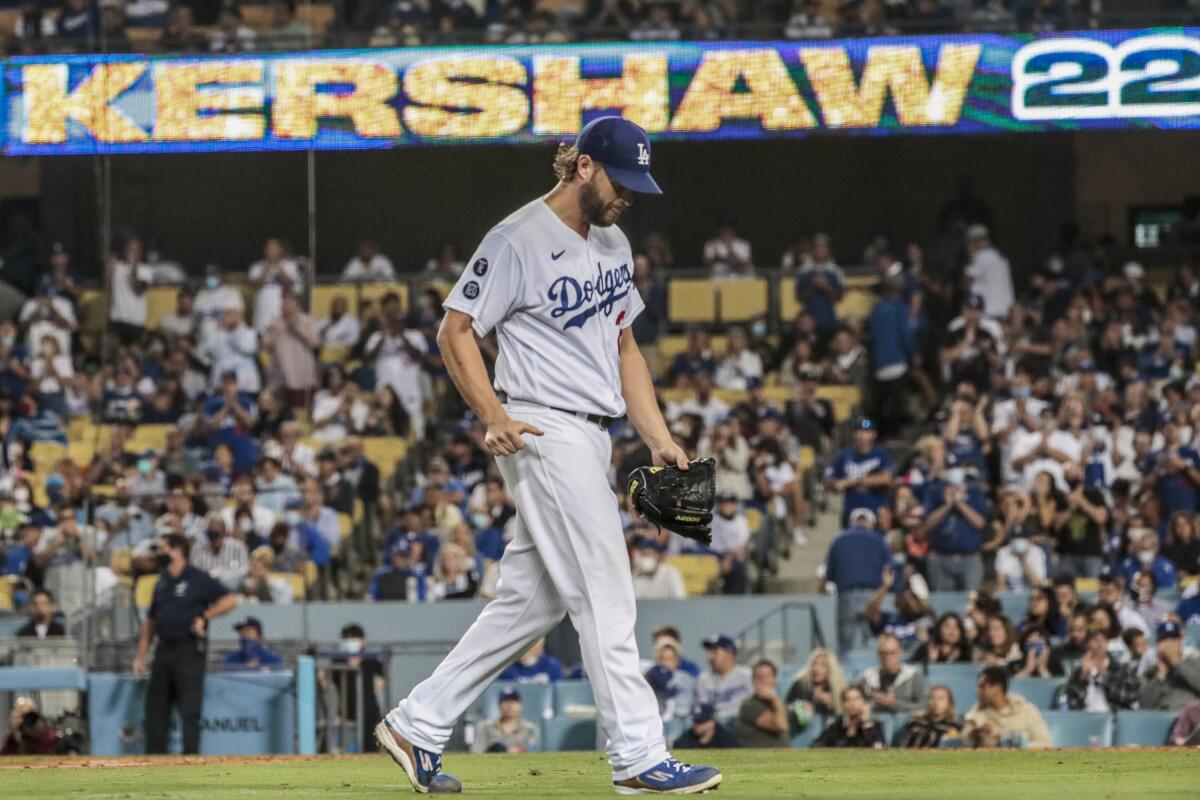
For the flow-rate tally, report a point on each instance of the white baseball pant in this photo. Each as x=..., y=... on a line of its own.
x=568, y=557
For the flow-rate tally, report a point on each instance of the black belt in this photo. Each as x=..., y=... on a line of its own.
x=595, y=419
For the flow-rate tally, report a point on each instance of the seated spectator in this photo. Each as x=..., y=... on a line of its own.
x=287, y=31
x=1174, y=682
x=1035, y=647
x=854, y=726
x=1182, y=547
x=221, y=555
x=817, y=688
x=245, y=517
x=1114, y=593
x=696, y=358
x=401, y=579
x=862, y=473
x=670, y=634
x=1102, y=617
x=446, y=265
x=704, y=404
x=230, y=34
x=730, y=538
x=1000, y=719
x=1100, y=683
x=287, y=551
x=997, y=646
x=453, y=577
x=259, y=585
x=947, y=643
x=534, y=666
x=292, y=338
x=725, y=684
x=43, y=620
x=1147, y=604
x=652, y=578
x=657, y=26
x=706, y=731
x=928, y=728
x=369, y=264
x=679, y=689
x=509, y=732
x=1043, y=613
x=848, y=365
x=340, y=328
x=762, y=718
x=272, y=487
x=809, y=21
x=1146, y=557
x=910, y=621
x=252, y=652
x=893, y=685
x=741, y=366
x=727, y=254
x=181, y=34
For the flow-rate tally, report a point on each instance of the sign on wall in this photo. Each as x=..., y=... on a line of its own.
x=423, y=96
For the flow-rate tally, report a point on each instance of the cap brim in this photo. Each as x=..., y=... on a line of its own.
x=634, y=181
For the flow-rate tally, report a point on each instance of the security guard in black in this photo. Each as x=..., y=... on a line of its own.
x=185, y=599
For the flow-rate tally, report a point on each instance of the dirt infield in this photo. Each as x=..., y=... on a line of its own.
x=115, y=762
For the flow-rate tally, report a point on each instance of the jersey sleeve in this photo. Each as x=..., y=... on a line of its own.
x=634, y=305
x=491, y=287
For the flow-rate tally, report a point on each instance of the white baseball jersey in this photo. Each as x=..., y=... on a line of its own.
x=558, y=302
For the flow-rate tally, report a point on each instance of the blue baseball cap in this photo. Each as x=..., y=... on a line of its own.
x=250, y=622
x=864, y=424
x=624, y=150
x=402, y=546
x=509, y=693
x=1168, y=629
x=704, y=712
x=659, y=678
x=973, y=301
x=721, y=641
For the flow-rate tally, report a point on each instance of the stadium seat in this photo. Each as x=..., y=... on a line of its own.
x=691, y=300
x=45, y=455
x=1087, y=585
x=384, y=452
x=121, y=561
x=333, y=354
x=160, y=300
x=1039, y=691
x=152, y=437
x=318, y=15
x=669, y=347
x=323, y=295
x=855, y=661
x=856, y=303
x=1079, y=728
x=143, y=591
x=789, y=306
x=574, y=699
x=93, y=311
x=1193, y=634
x=1014, y=604
x=946, y=602
x=807, y=458
x=8, y=585
x=743, y=299
x=699, y=571
x=806, y=737
x=754, y=518
x=346, y=525
x=1143, y=728
x=537, y=700
x=892, y=724
x=296, y=582
x=375, y=292
x=960, y=679
x=844, y=399
x=568, y=733
x=8, y=22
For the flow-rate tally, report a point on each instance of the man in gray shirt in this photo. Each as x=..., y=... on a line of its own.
x=725, y=684
x=509, y=732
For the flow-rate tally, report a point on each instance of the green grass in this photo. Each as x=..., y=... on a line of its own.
x=1095, y=775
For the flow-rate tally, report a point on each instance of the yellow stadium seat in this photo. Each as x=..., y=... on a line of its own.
x=1087, y=585
x=807, y=458
x=93, y=310
x=443, y=287
x=743, y=299
x=323, y=295
x=866, y=282
x=310, y=573
x=143, y=591
x=147, y=436
x=1188, y=581
x=788, y=305
x=384, y=452
x=691, y=300
x=669, y=347
x=346, y=524
x=45, y=455
x=334, y=354
x=856, y=303
x=81, y=451
x=257, y=16
x=375, y=292
x=317, y=15
x=8, y=22
x=160, y=300
x=845, y=399
x=293, y=580
x=754, y=519
x=121, y=561
x=8, y=585
x=698, y=571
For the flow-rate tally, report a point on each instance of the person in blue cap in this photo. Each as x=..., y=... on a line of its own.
x=252, y=652
x=1174, y=680
x=555, y=280
x=862, y=473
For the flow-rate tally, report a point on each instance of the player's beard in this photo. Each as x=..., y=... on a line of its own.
x=594, y=210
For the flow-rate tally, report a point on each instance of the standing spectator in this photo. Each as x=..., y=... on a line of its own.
x=988, y=273
x=1174, y=681
x=854, y=726
x=229, y=418
x=1000, y=719
x=220, y=555
x=706, y=731
x=214, y=299
x=726, y=254
x=446, y=265
x=730, y=537
x=741, y=367
x=398, y=353
x=128, y=276
x=42, y=617
x=1020, y=564
x=340, y=328
x=1081, y=533
x=956, y=523
x=274, y=276
x=292, y=339
x=854, y=565
x=819, y=288
x=861, y=472
x=366, y=671
x=232, y=346
x=725, y=684
x=762, y=718
x=1100, y=683
x=185, y=600
x=534, y=666
x=369, y=264
x=970, y=346
x=509, y=732
x=892, y=685
x=1173, y=472
x=653, y=579
x=892, y=350
x=938, y=721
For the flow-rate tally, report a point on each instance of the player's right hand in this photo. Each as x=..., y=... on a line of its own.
x=503, y=438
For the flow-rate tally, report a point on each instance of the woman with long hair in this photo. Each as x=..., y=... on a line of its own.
x=998, y=645
x=453, y=575
x=817, y=688
x=1043, y=613
x=1182, y=547
x=947, y=643
x=939, y=719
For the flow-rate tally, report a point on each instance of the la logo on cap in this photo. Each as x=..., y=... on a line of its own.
x=643, y=155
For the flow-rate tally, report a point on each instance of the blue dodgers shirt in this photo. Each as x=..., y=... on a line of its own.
x=849, y=463
x=1189, y=610
x=1175, y=490
x=820, y=304
x=547, y=669
x=956, y=535
x=856, y=559
x=1165, y=575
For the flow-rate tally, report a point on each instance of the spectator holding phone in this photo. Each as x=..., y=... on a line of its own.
x=854, y=726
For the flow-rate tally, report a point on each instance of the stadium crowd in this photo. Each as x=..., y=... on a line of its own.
x=226, y=26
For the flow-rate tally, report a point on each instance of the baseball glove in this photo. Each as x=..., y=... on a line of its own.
x=675, y=499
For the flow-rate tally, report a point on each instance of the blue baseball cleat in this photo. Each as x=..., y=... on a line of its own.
x=423, y=768
x=671, y=777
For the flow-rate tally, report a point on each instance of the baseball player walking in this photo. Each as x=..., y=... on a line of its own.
x=555, y=279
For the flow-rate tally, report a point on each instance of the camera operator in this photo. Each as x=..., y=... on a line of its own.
x=30, y=733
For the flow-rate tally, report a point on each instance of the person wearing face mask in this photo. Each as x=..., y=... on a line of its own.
x=222, y=556
x=731, y=536
x=1145, y=558
x=252, y=652
x=246, y=518
x=1020, y=564
x=185, y=600
x=352, y=651
x=893, y=347
x=652, y=578
x=956, y=516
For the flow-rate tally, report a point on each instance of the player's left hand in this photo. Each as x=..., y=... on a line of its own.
x=668, y=454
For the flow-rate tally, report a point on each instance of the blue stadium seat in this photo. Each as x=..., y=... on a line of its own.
x=1015, y=605
x=1079, y=728
x=941, y=602
x=673, y=729
x=961, y=679
x=568, y=733
x=1193, y=634
x=806, y=737
x=892, y=724
x=537, y=700
x=1143, y=728
x=1039, y=691
x=855, y=661
x=572, y=693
